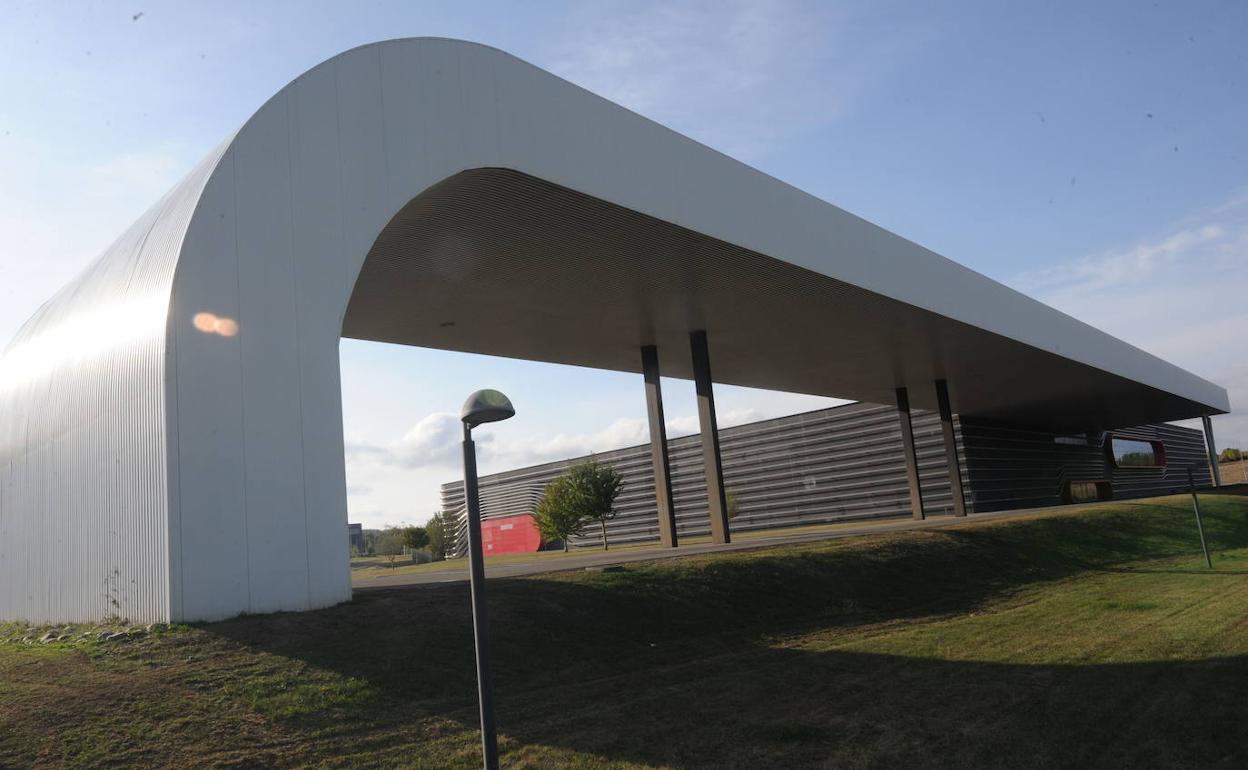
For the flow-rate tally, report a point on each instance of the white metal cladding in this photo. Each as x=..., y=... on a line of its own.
x=83, y=467
x=191, y=498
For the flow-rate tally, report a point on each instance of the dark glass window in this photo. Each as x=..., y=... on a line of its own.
x=1087, y=491
x=1133, y=453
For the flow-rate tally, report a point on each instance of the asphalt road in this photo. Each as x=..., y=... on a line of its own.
x=457, y=570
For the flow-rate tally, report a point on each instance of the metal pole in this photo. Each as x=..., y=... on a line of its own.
x=658, y=447
x=480, y=622
x=1200, y=525
x=1212, y=448
x=951, y=448
x=907, y=450
x=712, y=461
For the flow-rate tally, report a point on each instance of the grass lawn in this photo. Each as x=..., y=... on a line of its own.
x=365, y=568
x=1084, y=638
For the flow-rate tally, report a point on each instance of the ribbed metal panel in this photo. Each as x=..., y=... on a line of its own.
x=819, y=467
x=846, y=463
x=1012, y=467
x=83, y=455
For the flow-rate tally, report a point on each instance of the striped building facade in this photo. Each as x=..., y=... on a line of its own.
x=846, y=463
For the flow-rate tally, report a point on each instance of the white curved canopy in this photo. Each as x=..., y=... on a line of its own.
x=170, y=423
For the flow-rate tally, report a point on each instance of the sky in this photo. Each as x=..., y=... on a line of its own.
x=1091, y=155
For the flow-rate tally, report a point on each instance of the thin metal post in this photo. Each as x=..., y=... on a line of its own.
x=717, y=502
x=480, y=621
x=912, y=460
x=1214, y=471
x=951, y=448
x=658, y=447
x=1200, y=525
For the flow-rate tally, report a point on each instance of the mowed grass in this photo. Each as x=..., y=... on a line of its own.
x=366, y=568
x=1083, y=638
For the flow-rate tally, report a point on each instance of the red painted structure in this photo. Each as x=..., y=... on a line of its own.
x=510, y=534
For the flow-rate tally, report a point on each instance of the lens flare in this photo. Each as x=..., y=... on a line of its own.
x=211, y=323
x=205, y=322
x=226, y=327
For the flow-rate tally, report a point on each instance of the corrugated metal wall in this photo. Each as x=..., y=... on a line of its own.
x=828, y=465
x=84, y=498
x=1013, y=467
x=846, y=463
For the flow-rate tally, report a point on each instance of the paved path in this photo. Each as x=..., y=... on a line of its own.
x=457, y=570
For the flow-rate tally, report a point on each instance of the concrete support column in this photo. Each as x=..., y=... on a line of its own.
x=658, y=447
x=951, y=448
x=912, y=460
x=1214, y=471
x=716, y=501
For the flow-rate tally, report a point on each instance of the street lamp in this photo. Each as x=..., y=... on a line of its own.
x=481, y=407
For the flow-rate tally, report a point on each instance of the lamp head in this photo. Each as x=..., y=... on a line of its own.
x=486, y=406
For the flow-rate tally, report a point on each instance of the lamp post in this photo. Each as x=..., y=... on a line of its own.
x=481, y=407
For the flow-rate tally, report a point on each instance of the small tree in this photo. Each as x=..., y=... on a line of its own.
x=585, y=492
x=558, y=514
x=595, y=487
x=437, y=529
x=1230, y=455
x=415, y=538
x=389, y=543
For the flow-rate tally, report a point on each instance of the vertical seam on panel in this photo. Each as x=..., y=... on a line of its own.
x=177, y=422
x=294, y=280
x=385, y=146
x=242, y=376
x=348, y=285
x=342, y=200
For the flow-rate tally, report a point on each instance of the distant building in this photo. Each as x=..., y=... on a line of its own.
x=355, y=534
x=846, y=463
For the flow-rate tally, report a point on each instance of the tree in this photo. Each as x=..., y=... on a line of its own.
x=1230, y=455
x=415, y=538
x=734, y=507
x=558, y=514
x=389, y=543
x=585, y=492
x=438, y=529
x=595, y=487
x=371, y=536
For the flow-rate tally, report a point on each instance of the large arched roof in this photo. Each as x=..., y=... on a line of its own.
x=171, y=419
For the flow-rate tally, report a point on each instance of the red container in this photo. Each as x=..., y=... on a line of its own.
x=510, y=534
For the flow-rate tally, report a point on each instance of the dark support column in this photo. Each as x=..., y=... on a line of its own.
x=658, y=447
x=907, y=448
x=951, y=448
x=717, y=503
x=1214, y=471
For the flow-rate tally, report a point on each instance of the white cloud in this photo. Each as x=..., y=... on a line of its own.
x=738, y=75
x=1181, y=295
x=434, y=443
x=687, y=425
x=518, y=453
x=434, y=440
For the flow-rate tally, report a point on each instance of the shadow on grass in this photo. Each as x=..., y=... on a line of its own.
x=672, y=663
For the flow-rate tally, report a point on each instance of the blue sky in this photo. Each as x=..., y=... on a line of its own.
x=1093, y=155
